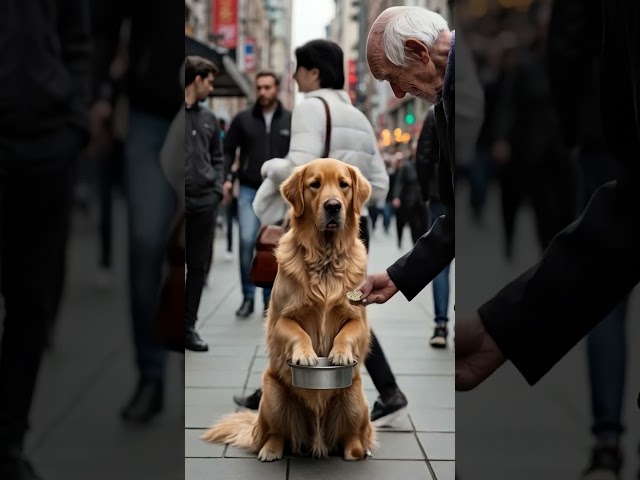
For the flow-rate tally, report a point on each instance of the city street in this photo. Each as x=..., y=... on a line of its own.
x=419, y=446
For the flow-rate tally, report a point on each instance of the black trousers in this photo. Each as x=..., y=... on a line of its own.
x=376, y=362
x=199, y=231
x=416, y=216
x=35, y=207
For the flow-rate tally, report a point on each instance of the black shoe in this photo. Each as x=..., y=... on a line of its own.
x=605, y=464
x=245, y=309
x=146, y=403
x=15, y=466
x=439, y=338
x=387, y=411
x=193, y=342
x=251, y=402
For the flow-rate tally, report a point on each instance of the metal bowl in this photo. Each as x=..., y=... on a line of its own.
x=323, y=376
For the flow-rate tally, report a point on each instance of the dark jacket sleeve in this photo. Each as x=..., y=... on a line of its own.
x=427, y=151
x=231, y=143
x=75, y=39
x=217, y=157
x=591, y=265
x=429, y=256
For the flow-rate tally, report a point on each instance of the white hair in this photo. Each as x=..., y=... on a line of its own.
x=402, y=23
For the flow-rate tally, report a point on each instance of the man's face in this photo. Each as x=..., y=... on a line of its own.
x=266, y=90
x=418, y=78
x=204, y=86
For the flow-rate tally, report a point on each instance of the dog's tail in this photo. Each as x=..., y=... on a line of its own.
x=237, y=429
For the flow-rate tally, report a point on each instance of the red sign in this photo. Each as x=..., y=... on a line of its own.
x=352, y=73
x=224, y=22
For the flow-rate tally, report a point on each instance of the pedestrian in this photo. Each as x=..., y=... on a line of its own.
x=204, y=166
x=413, y=49
x=260, y=133
x=44, y=125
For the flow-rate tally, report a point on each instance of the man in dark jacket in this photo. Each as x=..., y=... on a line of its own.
x=153, y=88
x=262, y=132
x=44, y=102
x=565, y=292
x=204, y=164
x=436, y=249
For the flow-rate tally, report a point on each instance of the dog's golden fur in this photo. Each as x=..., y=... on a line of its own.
x=319, y=259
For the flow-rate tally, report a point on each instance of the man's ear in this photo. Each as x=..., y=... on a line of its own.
x=292, y=189
x=361, y=189
x=417, y=50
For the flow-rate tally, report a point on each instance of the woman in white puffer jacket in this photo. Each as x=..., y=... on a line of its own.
x=320, y=73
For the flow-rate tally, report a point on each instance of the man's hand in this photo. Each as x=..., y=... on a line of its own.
x=395, y=203
x=377, y=288
x=477, y=355
x=228, y=186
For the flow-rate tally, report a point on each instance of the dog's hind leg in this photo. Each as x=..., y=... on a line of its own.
x=353, y=449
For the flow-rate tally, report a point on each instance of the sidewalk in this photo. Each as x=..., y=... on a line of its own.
x=420, y=446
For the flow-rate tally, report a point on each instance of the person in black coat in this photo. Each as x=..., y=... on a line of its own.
x=436, y=249
x=565, y=292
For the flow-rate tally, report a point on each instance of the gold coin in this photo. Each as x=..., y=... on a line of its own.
x=355, y=296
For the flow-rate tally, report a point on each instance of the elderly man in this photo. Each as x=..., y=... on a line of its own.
x=413, y=49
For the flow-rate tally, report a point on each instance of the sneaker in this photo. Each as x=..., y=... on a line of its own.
x=386, y=412
x=439, y=338
x=252, y=402
x=605, y=464
x=228, y=257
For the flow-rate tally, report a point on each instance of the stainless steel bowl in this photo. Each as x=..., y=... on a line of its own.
x=323, y=376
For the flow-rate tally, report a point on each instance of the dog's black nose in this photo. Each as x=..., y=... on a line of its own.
x=332, y=206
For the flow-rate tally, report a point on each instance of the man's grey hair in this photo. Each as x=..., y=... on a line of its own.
x=402, y=23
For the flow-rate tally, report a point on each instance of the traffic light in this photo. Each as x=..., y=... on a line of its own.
x=409, y=119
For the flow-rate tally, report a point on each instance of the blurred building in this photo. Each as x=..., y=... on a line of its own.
x=242, y=37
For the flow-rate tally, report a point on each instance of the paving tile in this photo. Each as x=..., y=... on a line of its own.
x=335, y=469
x=446, y=470
x=217, y=363
x=203, y=406
x=397, y=446
x=233, y=452
x=233, y=469
x=438, y=446
x=221, y=379
x=434, y=420
x=195, y=447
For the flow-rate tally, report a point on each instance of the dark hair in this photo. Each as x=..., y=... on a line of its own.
x=327, y=57
x=268, y=74
x=194, y=66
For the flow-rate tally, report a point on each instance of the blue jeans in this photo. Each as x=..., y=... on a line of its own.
x=606, y=354
x=248, y=226
x=441, y=282
x=151, y=204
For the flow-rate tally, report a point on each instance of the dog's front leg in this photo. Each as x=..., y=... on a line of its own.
x=298, y=343
x=345, y=346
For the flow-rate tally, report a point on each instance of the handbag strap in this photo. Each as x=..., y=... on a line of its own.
x=327, y=138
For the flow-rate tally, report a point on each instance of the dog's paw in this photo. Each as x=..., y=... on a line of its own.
x=304, y=357
x=341, y=356
x=268, y=455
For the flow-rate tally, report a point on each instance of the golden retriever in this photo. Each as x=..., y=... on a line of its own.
x=320, y=259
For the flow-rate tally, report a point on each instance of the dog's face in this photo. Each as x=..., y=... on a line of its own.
x=328, y=192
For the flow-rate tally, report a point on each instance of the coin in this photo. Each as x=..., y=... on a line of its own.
x=354, y=296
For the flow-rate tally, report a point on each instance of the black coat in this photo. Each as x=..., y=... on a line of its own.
x=594, y=263
x=249, y=132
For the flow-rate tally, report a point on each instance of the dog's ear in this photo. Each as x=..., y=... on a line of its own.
x=292, y=189
x=361, y=189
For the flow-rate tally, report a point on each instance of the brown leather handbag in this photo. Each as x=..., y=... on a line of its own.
x=265, y=266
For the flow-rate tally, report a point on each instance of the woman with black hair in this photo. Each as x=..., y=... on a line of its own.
x=320, y=76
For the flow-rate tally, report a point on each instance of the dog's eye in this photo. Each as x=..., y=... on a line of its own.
x=343, y=184
x=315, y=184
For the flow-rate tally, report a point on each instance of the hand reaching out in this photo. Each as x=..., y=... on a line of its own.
x=377, y=288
